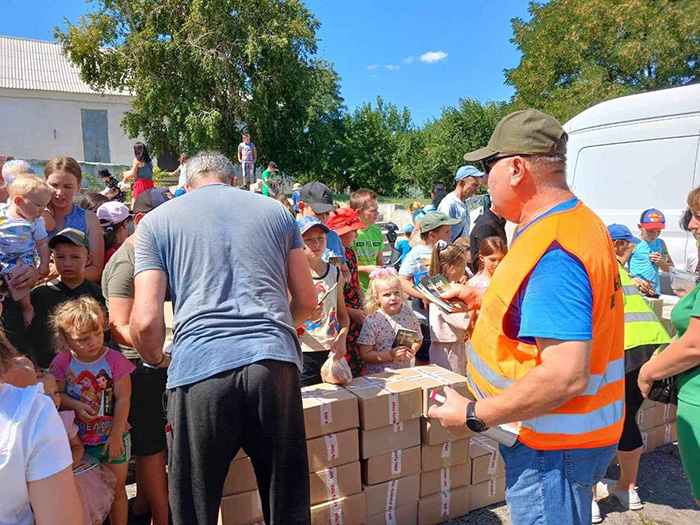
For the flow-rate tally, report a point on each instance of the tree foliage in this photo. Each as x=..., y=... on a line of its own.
x=201, y=71
x=576, y=53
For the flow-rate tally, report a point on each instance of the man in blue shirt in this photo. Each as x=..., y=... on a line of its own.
x=228, y=257
x=454, y=204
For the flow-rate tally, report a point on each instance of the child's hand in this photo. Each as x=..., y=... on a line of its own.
x=84, y=412
x=655, y=257
x=338, y=348
x=115, y=446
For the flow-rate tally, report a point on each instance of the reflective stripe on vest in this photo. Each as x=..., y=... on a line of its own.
x=642, y=326
x=496, y=360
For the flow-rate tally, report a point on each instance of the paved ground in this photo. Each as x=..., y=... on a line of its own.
x=662, y=486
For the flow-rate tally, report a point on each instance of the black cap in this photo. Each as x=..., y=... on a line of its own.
x=149, y=200
x=318, y=196
x=272, y=164
x=104, y=173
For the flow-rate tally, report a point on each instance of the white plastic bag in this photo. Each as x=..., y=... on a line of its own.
x=336, y=371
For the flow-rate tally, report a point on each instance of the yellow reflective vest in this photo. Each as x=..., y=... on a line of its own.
x=642, y=327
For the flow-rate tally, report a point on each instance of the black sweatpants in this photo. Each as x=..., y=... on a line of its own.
x=631, y=438
x=258, y=407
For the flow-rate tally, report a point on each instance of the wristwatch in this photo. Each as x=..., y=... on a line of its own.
x=474, y=423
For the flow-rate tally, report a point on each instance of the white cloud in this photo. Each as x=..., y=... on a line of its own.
x=392, y=67
x=373, y=66
x=433, y=56
x=408, y=60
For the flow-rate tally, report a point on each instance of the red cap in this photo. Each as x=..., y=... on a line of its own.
x=344, y=220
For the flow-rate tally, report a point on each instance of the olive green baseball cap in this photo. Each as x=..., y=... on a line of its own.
x=72, y=236
x=525, y=132
x=435, y=219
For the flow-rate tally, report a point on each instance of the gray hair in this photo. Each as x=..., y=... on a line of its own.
x=548, y=163
x=209, y=164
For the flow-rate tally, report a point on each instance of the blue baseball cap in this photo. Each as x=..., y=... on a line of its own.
x=620, y=232
x=306, y=223
x=408, y=229
x=467, y=171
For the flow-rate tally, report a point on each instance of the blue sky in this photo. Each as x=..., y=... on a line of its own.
x=435, y=53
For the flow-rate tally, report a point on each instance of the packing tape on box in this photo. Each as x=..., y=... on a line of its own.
x=398, y=427
x=667, y=411
x=332, y=447
x=444, y=479
x=493, y=460
x=336, y=513
x=326, y=414
x=390, y=517
x=645, y=440
x=640, y=417
x=332, y=484
x=492, y=488
x=445, y=504
x=391, y=491
x=667, y=433
x=446, y=450
x=396, y=462
x=393, y=408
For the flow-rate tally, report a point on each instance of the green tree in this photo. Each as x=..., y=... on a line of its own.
x=370, y=149
x=202, y=71
x=445, y=140
x=576, y=53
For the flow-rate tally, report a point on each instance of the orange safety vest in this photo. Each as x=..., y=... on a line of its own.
x=594, y=418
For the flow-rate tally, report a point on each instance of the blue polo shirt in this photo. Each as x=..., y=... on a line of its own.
x=556, y=300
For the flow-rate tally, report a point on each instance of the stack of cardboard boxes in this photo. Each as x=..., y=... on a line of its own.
x=240, y=504
x=488, y=473
x=657, y=423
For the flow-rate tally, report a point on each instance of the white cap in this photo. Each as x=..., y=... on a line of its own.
x=112, y=212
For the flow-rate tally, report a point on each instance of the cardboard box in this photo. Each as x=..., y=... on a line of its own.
x=394, y=465
x=403, y=515
x=433, y=378
x=328, y=409
x=241, y=477
x=443, y=506
x=333, y=450
x=392, y=494
x=488, y=493
x=659, y=436
x=433, y=433
x=657, y=305
x=240, y=455
x=446, y=454
x=444, y=479
x=335, y=483
x=655, y=415
x=241, y=509
x=670, y=412
x=486, y=461
x=385, y=402
x=383, y=440
x=343, y=511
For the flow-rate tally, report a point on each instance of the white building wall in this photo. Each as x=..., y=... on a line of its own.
x=43, y=124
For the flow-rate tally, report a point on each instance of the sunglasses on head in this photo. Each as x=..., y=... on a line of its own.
x=491, y=161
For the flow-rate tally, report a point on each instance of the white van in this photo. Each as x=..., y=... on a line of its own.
x=637, y=152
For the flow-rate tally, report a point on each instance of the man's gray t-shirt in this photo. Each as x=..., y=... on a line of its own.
x=451, y=205
x=225, y=252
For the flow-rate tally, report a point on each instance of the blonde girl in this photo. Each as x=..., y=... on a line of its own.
x=387, y=313
x=103, y=429
x=491, y=253
x=448, y=331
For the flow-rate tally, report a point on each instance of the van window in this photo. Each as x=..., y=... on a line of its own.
x=651, y=173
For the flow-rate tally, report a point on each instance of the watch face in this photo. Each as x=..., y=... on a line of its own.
x=475, y=425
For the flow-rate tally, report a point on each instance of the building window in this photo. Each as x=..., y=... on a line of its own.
x=95, y=135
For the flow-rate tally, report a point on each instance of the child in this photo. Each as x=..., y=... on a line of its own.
x=296, y=189
x=112, y=190
x=650, y=254
x=386, y=314
x=70, y=254
x=434, y=226
x=326, y=330
x=448, y=331
x=95, y=484
x=404, y=245
x=247, y=157
x=114, y=218
x=370, y=242
x=346, y=224
x=101, y=413
x=491, y=253
x=23, y=235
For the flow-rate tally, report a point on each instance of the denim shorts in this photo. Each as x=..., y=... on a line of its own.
x=553, y=486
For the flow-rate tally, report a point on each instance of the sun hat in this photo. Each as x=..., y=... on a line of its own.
x=345, y=220
x=306, y=223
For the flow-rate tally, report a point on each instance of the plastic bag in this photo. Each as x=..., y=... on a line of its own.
x=336, y=371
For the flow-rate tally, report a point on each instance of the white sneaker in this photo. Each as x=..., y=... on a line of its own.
x=597, y=518
x=628, y=499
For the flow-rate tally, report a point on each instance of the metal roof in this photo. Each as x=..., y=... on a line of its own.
x=40, y=65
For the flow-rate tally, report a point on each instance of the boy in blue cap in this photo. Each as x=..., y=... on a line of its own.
x=651, y=254
x=468, y=179
x=404, y=245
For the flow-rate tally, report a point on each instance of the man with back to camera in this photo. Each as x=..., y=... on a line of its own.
x=547, y=350
x=234, y=376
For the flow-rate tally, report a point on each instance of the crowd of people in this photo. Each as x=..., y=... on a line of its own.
x=266, y=290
